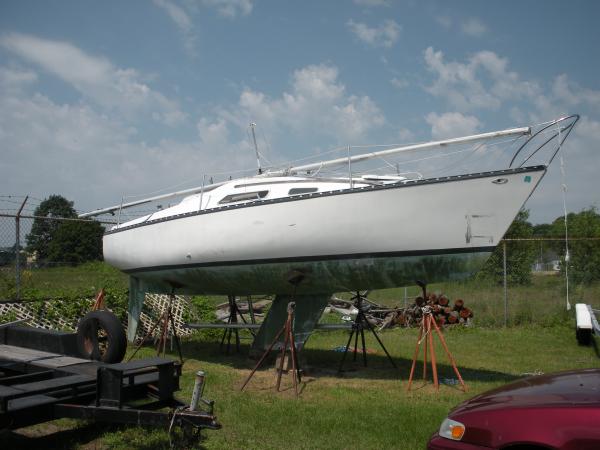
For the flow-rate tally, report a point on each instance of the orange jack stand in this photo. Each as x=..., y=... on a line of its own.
x=428, y=326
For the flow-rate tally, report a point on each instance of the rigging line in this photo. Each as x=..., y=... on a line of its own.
x=270, y=164
x=494, y=149
x=308, y=158
x=470, y=149
x=393, y=166
x=268, y=144
x=564, y=198
x=460, y=161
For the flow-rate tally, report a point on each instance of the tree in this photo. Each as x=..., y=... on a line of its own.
x=76, y=242
x=584, y=255
x=43, y=230
x=69, y=241
x=519, y=255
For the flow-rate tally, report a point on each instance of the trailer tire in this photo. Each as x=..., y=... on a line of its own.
x=584, y=336
x=101, y=337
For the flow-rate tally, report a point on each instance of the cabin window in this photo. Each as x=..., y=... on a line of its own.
x=243, y=197
x=296, y=191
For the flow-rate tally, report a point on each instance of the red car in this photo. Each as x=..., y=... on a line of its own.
x=553, y=411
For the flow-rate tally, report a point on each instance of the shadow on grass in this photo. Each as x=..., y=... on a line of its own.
x=77, y=435
x=53, y=435
x=318, y=363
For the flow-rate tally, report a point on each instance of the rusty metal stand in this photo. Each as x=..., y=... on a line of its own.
x=428, y=325
x=234, y=312
x=288, y=329
x=165, y=319
x=358, y=327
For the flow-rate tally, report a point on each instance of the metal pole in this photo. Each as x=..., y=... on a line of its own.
x=505, y=285
x=202, y=192
x=252, y=125
x=349, y=167
x=405, y=296
x=18, y=248
x=120, y=208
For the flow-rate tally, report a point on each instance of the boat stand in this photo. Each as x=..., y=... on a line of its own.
x=165, y=319
x=428, y=326
x=288, y=329
x=358, y=327
x=234, y=312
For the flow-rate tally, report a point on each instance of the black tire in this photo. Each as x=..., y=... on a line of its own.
x=101, y=337
x=584, y=336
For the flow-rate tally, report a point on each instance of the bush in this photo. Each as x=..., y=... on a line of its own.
x=203, y=310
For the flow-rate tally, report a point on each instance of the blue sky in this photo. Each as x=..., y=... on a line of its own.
x=104, y=99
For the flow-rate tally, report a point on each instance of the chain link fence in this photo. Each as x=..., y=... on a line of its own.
x=55, y=294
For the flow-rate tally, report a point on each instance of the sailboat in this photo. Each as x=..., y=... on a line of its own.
x=348, y=232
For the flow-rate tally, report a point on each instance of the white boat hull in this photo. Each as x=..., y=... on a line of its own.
x=372, y=237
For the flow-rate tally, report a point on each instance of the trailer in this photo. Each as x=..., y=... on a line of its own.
x=43, y=377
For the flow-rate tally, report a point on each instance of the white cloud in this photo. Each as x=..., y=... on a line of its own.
x=177, y=14
x=452, y=124
x=317, y=102
x=385, y=35
x=445, y=21
x=230, y=8
x=473, y=27
x=405, y=135
x=399, y=83
x=95, y=158
x=15, y=78
x=464, y=87
x=182, y=20
x=94, y=77
x=572, y=94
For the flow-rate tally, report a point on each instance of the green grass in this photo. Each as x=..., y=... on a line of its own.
x=364, y=408
x=62, y=281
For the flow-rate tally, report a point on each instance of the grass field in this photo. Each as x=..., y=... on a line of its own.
x=366, y=407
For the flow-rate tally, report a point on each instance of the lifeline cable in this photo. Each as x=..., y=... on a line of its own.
x=564, y=197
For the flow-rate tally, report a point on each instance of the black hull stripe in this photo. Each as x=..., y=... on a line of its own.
x=301, y=197
x=317, y=258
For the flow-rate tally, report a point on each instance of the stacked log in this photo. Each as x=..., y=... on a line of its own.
x=445, y=312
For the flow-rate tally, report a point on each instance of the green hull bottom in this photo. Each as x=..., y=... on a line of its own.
x=320, y=278
x=330, y=275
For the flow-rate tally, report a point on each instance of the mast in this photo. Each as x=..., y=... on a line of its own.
x=252, y=125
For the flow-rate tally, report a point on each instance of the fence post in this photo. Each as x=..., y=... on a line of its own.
x=18, y=248
x=505, y=283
